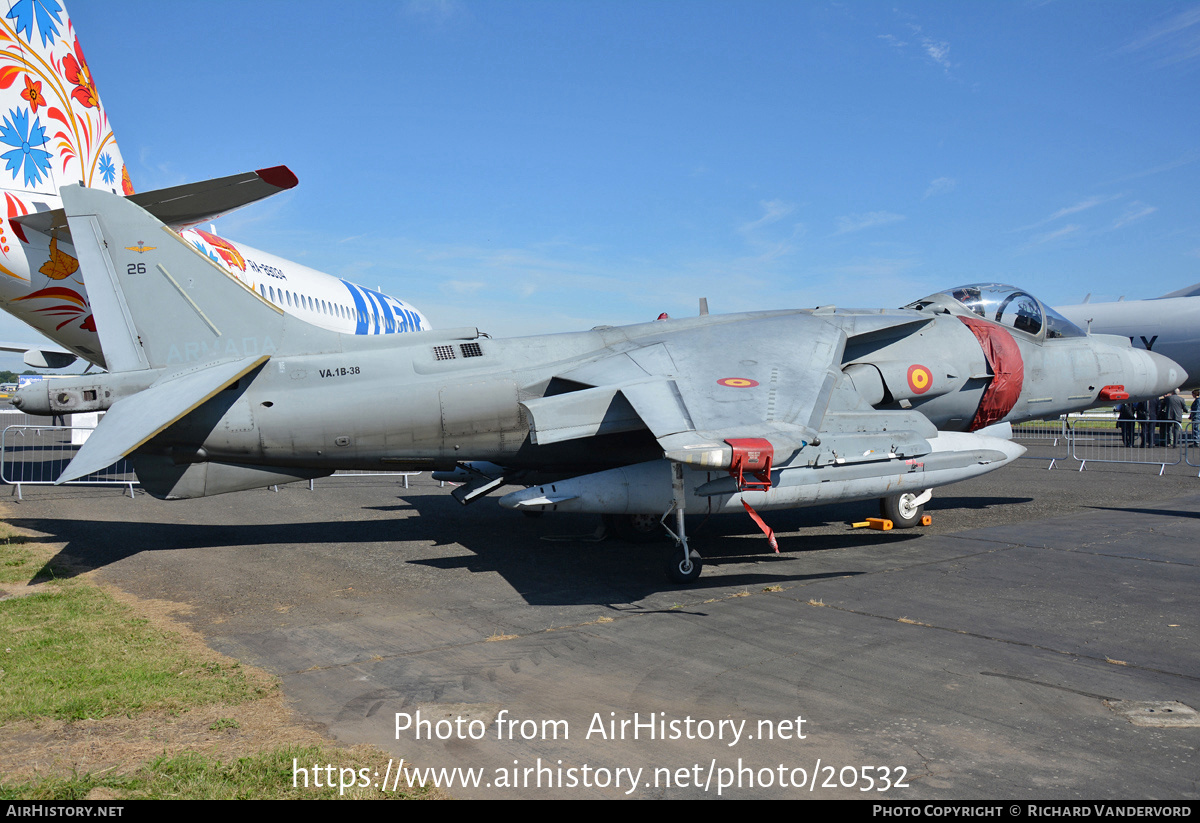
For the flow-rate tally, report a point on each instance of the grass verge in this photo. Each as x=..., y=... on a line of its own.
x=72, y=652
x=266, y=775
x=105, y=697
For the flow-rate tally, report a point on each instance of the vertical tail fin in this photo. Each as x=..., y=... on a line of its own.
x=54, y=131
x=158, y=302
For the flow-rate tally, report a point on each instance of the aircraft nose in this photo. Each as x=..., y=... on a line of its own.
x=1161, y=373
x=1170, y=373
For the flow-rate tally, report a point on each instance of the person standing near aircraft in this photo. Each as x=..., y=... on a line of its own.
x=1126, y=422
x=1158, y=413
x=1175, y=408
x=1142, y=412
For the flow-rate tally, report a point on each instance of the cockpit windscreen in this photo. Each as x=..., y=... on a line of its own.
x=1014, y=308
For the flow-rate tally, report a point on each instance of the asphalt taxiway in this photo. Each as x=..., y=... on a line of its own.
x=1009, y=651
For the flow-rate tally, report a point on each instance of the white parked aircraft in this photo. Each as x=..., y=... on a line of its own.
x=54, y=132
x=1168, y=325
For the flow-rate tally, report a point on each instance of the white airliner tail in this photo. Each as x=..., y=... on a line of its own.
x=53, y=128
x=55, y=133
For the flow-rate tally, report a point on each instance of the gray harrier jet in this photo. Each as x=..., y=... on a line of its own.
x=214, y=389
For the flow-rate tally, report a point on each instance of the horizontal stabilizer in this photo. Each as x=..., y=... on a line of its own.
x=134, y=420
x=42, y=357
x=186, y=205
x=1186, y=291
x=24, y=347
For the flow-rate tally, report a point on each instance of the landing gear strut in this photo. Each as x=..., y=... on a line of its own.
x=685, y=568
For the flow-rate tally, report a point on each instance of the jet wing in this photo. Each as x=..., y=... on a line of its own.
x=696, y=387
x=189, y=204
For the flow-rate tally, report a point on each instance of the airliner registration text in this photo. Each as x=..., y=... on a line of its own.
x=263, y=268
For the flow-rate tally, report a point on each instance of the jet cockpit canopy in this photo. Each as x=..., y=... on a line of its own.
x=1007, y=305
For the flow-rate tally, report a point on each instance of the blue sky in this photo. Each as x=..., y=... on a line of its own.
x=549, y=166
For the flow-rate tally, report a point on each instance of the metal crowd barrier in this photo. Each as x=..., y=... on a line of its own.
x=15, y=417
x=37, y=455
x=1191, y=445
x=363, y=473
x=1146, y=442
x=1044, y=439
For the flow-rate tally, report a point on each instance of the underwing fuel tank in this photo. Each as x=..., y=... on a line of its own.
x=645, y=488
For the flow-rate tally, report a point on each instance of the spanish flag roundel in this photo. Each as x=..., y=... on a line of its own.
x=738, y=382
x=919, y=379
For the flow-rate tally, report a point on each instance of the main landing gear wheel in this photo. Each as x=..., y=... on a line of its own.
x=902, y=509
x=680, y=570
x=636, y=528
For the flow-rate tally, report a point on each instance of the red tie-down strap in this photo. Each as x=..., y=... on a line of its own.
x=767, y=530
x=751, y=467
x=1004, y=357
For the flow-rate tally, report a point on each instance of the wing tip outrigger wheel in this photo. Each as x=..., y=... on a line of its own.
x=686, y=569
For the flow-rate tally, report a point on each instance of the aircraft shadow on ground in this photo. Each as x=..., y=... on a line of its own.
x=557, y=558
x=1161, y=512
x=973, y=503
x=554, y=559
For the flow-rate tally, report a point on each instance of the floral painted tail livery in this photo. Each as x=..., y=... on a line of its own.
x=54, y=132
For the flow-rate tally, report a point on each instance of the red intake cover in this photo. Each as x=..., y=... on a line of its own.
x=1008, y=369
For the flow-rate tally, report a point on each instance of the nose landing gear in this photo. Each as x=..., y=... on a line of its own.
x=905, y=510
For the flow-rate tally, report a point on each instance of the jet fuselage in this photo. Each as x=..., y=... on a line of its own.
x=431, y=403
